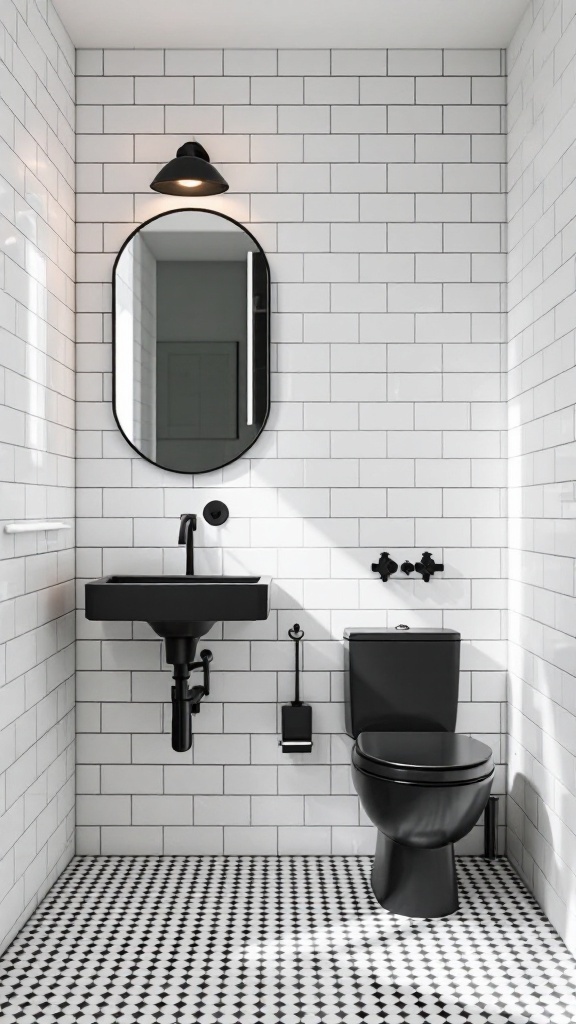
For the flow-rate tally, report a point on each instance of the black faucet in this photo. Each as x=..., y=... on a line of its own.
x=188, y=523
x=427, y=566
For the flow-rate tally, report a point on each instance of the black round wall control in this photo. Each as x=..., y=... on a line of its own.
x=215, y=513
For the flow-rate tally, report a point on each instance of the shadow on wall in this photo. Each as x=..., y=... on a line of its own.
x=531, y=853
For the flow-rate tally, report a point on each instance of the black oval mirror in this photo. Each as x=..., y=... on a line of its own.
x=191, y=340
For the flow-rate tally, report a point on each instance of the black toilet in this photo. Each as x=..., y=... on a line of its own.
x=420, y=783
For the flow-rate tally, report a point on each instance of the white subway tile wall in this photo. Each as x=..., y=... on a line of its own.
x=375, y=183
x=36, y=456
x=542, y=467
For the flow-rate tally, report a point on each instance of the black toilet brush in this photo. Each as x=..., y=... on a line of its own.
x=296, y=717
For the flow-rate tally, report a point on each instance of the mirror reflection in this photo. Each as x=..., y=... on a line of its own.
x=191, y=340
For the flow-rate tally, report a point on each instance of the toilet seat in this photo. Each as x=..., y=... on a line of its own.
x=424, y=758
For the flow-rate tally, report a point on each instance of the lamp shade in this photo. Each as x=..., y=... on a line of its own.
x=190, y=174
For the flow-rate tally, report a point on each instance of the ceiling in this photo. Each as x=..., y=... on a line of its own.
x=302, y=24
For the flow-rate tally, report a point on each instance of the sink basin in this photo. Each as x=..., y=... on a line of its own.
x=179, y=606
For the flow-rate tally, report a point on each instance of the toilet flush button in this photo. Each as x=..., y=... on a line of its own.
x=402, y=625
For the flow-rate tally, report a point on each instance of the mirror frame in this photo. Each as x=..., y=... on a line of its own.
x=261, y=345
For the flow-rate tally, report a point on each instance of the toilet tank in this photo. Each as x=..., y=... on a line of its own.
x=401, y=680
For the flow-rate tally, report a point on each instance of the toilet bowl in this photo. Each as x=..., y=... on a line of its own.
x=421, y=784
x=423, y=791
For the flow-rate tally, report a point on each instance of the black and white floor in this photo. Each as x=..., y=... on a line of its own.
x=293, y=940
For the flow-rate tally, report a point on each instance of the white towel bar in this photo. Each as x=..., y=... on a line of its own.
x=35, y=527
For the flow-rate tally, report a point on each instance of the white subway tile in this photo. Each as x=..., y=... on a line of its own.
x=415, y=238
x=358, y=238
x=256, y=840
x=416, y=119
x=193, y=62
x=294, y=840
x=304, y=62
x=415, y=62
x=281, y=148
x=471, y=297
x=470, y=502
x=364, y=177
x=102, y=810
x=163, y=810
x=443, y=90
x=304, y=119
x=489, y=90
x=350, y=118
x=331, y=89
x=250, y=62
x=277, y=90
x=303, y=177
x=319, y=148
x=359, y=62
x=471, y=62
x=363, y=297
x=90, y=62
x=303, y=779
x=474, y=119
x=276, y=207
x=277, y=810
x=124, y=62
x=105, y=90
x=420, y=177
x=418, y=297
x=414, y=444
x=131, y=119
x=383, y=90
x=220, y=810
x=131, y=778
x=246, y=119
x=250, y=779
x=443, y=267
x=331, y=810
x=443, y=149
x=444, y=327
x=331, y=208
x=162, y=89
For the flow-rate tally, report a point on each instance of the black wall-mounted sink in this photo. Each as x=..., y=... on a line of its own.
x=179, y=606
x=180, y=609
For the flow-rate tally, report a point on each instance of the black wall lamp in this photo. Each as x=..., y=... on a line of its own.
x=190, y=174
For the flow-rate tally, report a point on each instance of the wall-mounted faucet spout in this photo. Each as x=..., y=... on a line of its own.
x=188, y=524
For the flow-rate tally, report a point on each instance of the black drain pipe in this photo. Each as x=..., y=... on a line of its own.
x=180, y=653
x=181, y=709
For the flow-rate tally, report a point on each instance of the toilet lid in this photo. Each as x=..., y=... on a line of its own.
x=432, y=757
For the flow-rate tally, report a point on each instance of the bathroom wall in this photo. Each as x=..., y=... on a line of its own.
x=36, y=455
x=542, y=379
x=375, y=183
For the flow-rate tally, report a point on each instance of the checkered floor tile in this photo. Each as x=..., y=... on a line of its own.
x=296, y=940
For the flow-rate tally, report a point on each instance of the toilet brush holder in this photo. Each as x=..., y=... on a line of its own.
x=296, y=717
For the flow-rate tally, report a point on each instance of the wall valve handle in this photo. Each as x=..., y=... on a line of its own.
x=385, y=566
